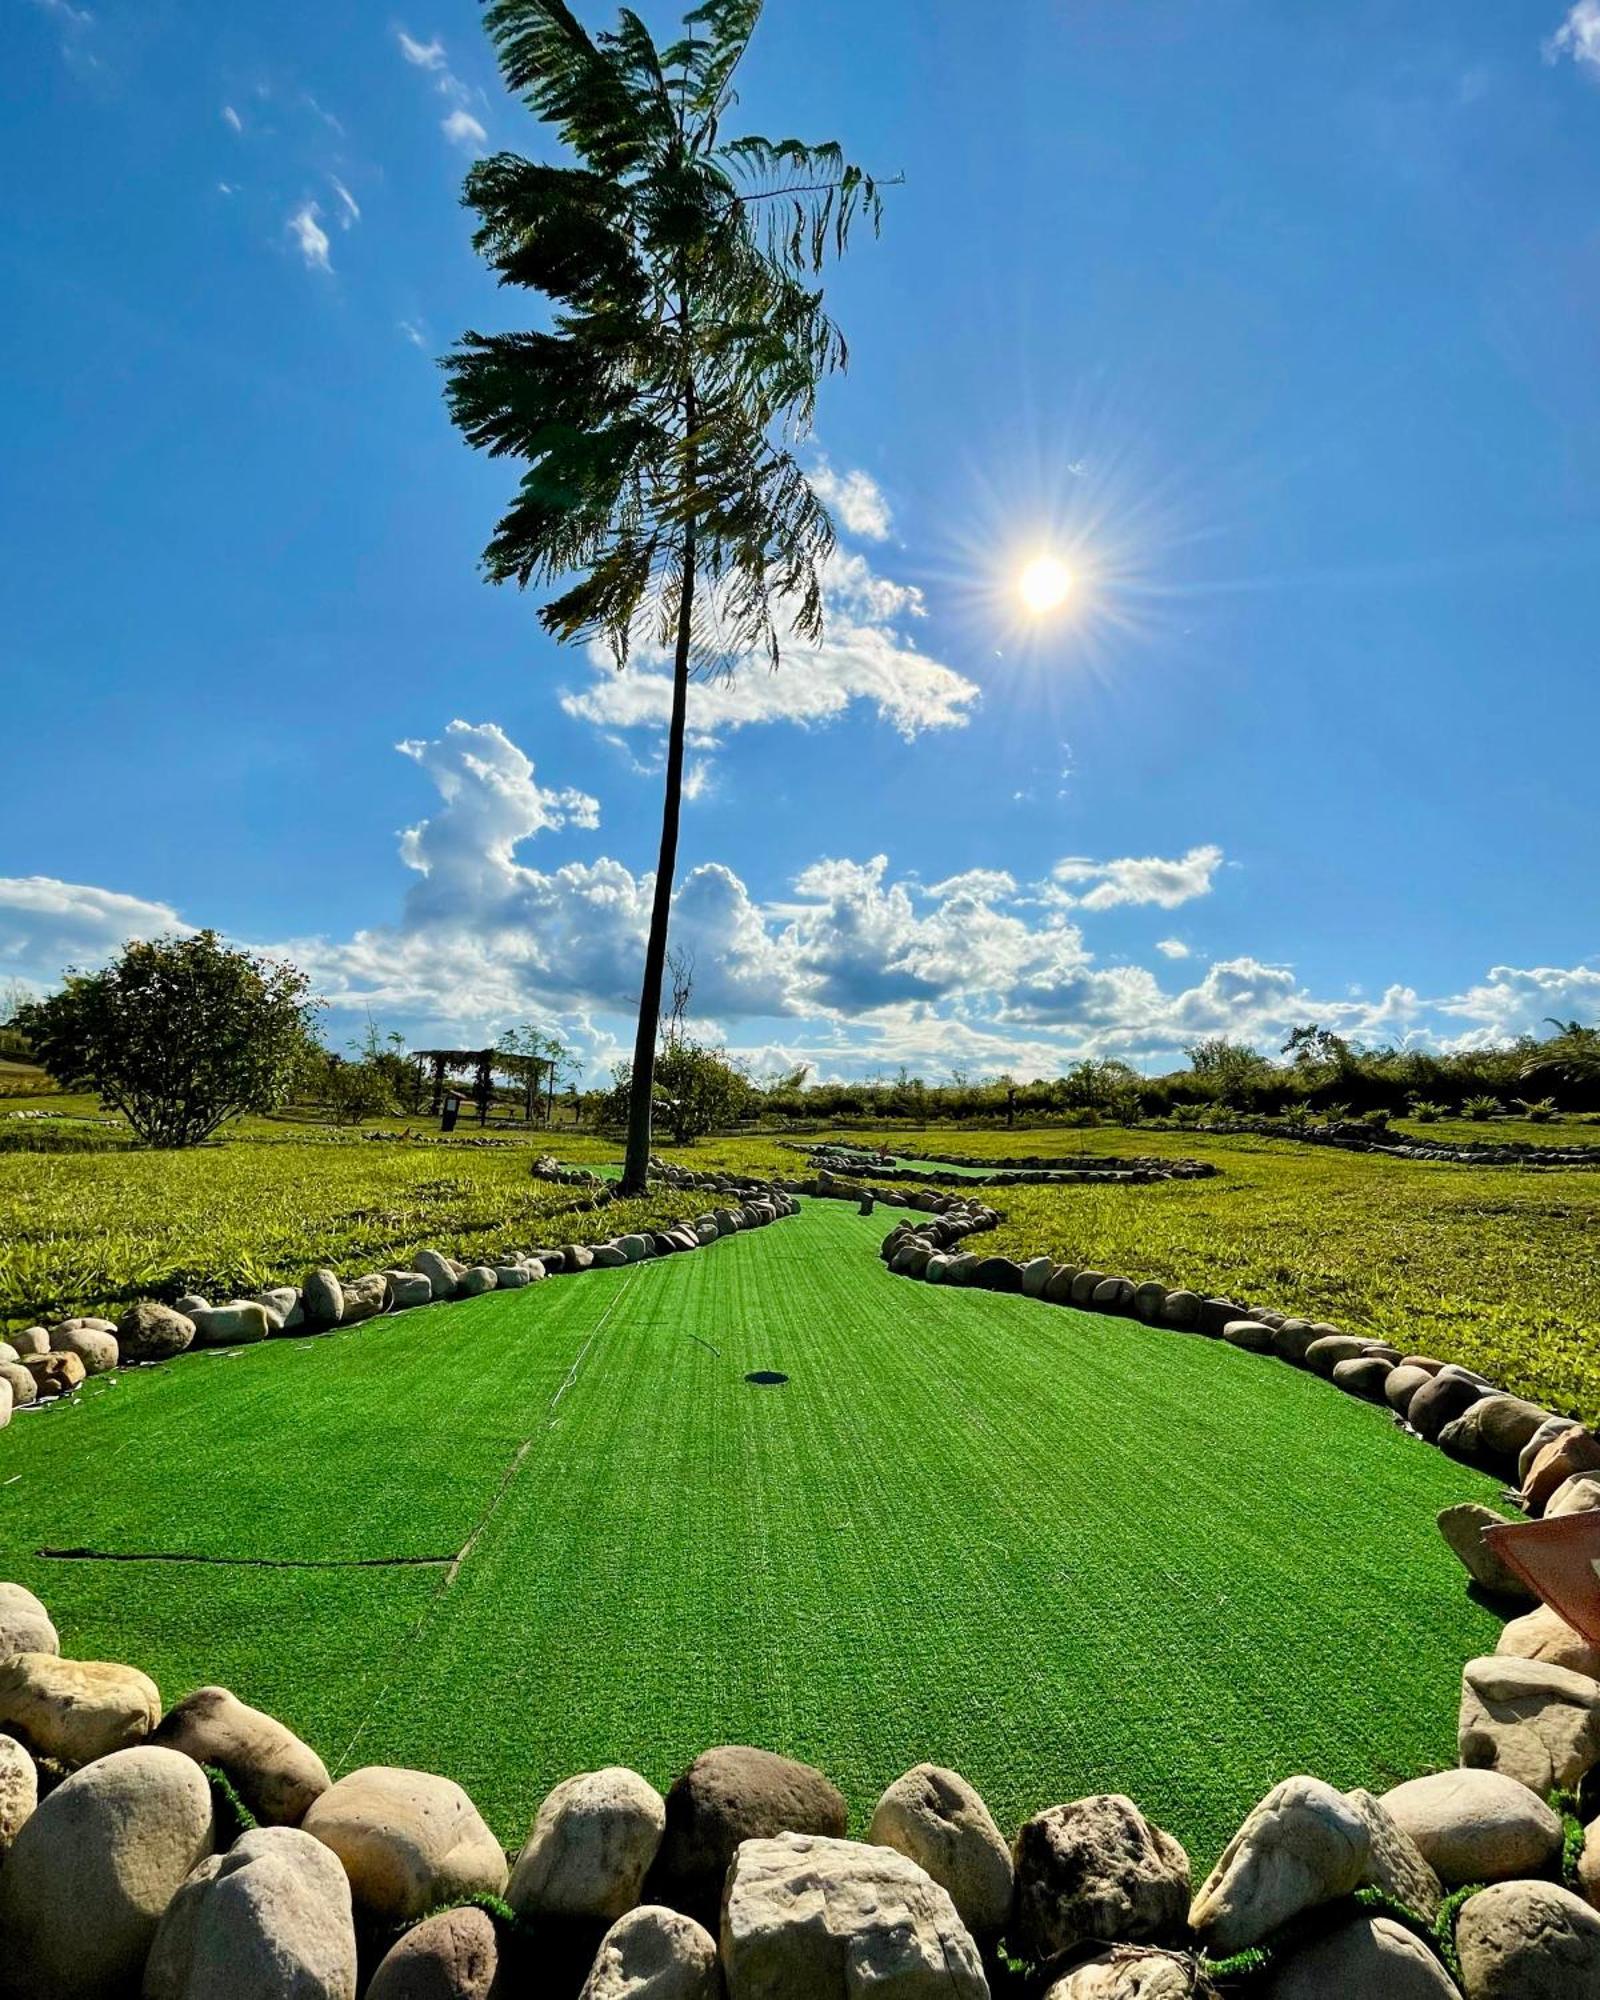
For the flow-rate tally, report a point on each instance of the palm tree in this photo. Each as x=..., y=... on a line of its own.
x=657, y=415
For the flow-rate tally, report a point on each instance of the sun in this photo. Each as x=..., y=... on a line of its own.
x=1045, y=584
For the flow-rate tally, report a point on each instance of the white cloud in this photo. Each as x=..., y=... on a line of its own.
x=231, y=118
x=1145, y=880
x=1518, y=1001
x=864, y=655
x=462, y=129
x=1172, y=947
x=414, y=331
x=349, y=213
x=423, y=55
x=856, y=498
x=1578, y=37
x=47, y=925
x=72, y=17
x=310, y=237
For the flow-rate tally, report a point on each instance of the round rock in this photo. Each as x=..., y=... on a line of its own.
x=268, y=1920
x=453, y=1956
x=76, y=1710
x=1364, y=1956
x=277, y=1776
x=1476, y=1826
x=655, y=1954
x=1528, y=1941
x=935, y=1818
x=729, y=1795
x=93, y=1871
x=409, y=1841
x=151, y=1332
x=591, y=1847
x=25, y=1625
x=19, y=1791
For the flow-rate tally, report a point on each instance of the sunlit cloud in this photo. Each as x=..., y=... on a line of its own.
x=311, y=239
x=231, y=119
x=855, y=498
x=462, y=129
x=1578, y=37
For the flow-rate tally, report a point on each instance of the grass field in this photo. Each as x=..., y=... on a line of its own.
x=553, y=1529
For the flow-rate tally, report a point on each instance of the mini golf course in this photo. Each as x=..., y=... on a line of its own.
x=556, y=1528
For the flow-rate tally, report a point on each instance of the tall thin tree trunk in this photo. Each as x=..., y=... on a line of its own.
x=636, y=1167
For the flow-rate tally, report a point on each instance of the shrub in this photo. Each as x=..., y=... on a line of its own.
x=1426, y=1113
x=177, y=1034
x=1480, y=1109
x=1377, y=1118
x=1540, y=1111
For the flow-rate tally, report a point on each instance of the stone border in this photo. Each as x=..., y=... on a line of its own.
x=1069, y=1171
x=1350, y=1136
x=42, y=1365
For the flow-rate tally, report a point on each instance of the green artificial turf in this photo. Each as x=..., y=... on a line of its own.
x=1061, y=1553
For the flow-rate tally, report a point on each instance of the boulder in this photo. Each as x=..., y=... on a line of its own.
x=440, y=1272
x=1439, y=1401
x=1493, y=1430
x=812, y=1918
x=5, y=1403
x=511, y=1277
x=1567, y=1454
x=1092, y=1870
x=1528, y=1941
x=1083, y=1286
x=191, y=1303
x=151, y=1332
x=25, y=1625
x=32, y=1340
x=269, y=1920
x=408, y=1840
x=76, y=1710
x=283, y=1304
x=1395, y=1863
x=579, y=1257
x=94, y=1869
x=322, y=1297
x=275, y=1774
x=95, y=1348
x=612, y=1256
x=1303, y=1845
x=476, y=1280
x=408, y=1289
x=591, y=1846
x=1291, y=1338
x=1476, y=1825
x=19, y=1379
x=1551, y=1428
x=1148, y=1301
x=1534, y=1722
x=232, y=1325
x=655, y=1954
x=1181, y=1309
x=1058, y=1286
x=1362, y=1958
x=54, y=1374
x=1543, y=1634
x=364, y=1298
x=19, y=1792
x=1249, y=1334
x=936, y=1819
x=1036, y=1275
x=1130, y=1972
x=634, y=1247
x=1216, y=1312
x=726, y=1796
x=1366, y=1375
x=1403, y=1384
x=1327, y=1350
x=1112, y=1295
x=1578, y=1495
x=1462, y=1527
x=455, y=1955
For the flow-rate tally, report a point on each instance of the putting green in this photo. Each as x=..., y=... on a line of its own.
x=557, y=1528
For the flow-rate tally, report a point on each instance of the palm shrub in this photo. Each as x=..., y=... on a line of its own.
x=657, y=415
x=1426, y=1112
x=1480, y=1109
x=1539, y=1112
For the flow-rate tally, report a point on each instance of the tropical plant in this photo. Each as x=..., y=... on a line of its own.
x=1538, y=1112
x=178, y=1034
x=658, y=416
x=1480, y=1108
x=1425, y=1112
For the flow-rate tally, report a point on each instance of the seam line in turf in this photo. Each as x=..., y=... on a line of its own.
x=244, y=1562
x=508, y=1478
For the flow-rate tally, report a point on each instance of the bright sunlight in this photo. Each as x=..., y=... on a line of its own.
x=1046, y=584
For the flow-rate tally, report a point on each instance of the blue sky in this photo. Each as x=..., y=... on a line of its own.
x=1282, y=323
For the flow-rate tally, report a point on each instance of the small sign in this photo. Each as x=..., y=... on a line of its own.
x=1559, y=1560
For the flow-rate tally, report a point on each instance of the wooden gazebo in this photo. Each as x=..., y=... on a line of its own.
x=482, y=1066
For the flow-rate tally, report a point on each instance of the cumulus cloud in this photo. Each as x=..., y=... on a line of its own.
x=1578, y=37
x=866, y=656
x=462, y=129
x=311, y=239
x=1102, y=885
x=856, y=499
x=1521, y=1001
x=1172, y=947
x=47, y=925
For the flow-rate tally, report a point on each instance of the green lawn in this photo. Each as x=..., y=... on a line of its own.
x=1061, y=1553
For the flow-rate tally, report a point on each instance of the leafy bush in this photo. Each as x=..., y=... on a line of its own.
x=1540, y=1111
x=177, y=1034
x=1377, y=1118
x=1425, y=1112
x=1481, y=1109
